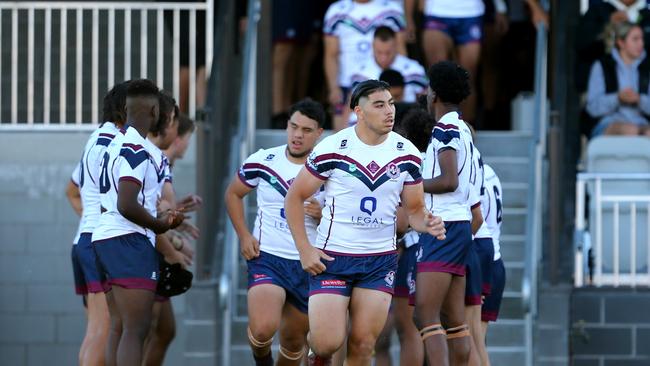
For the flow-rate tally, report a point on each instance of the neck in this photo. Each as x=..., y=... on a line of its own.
x=156, y=140
x=140, y=125
x=170, y=154
x=368, y=136
x=443, y=109
x=627, y=59
x=296, y=159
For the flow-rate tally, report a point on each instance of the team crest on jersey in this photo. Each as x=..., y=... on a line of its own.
x=390, y=278
x=269, y=157
x=392, y=171
x=400, y=145
x=344, y=144
x=373, y=167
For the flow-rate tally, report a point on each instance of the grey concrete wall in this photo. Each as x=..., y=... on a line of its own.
x=610, y=327
x=42, y=321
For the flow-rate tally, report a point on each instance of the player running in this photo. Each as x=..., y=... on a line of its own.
x=277, y=285
x=366, y=170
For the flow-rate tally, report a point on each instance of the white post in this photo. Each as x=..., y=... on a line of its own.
x=599, y=234
x=159, y=48
x=176, y=54
x=14, y=66
x=579, y=270
x=633, y=242
x=616, y=244
x=143, y=43
x=127, y=44
x=111, y=49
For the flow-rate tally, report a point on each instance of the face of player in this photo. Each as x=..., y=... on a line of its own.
x=632, y=45
x=180, y=146
x=397, y=92
x=170, y=133
x=385, y=52
x=302, y=134
x=377, y=112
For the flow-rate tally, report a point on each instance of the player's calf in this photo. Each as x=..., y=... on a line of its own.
x=458, y=339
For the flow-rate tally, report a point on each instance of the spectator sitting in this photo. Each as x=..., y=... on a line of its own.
x=617, y=93
x=590, y=45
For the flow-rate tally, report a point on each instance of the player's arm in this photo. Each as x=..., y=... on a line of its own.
x=477, y=217
x=447, y=181
x=128, y=206
x=409, y=11
x=419, y=218
x=74, y=197
x=234, y=197
x=331, y=63
x=303, y=187
x=402, y=221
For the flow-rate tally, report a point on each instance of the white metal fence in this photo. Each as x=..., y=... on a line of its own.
x=617, y=224
x=60, y=27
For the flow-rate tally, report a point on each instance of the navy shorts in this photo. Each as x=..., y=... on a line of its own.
x=446, y=255
x=460, y=30
x=286, y=273
x=88, y=262
x=492, y=303
x=405, y=279
x=374, y=272
x=292, y=21
x=79, y=282
x=485, y=250
x=473, y=278
x=128, y=261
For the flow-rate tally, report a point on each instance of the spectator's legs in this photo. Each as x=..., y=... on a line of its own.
x=437, y=46
x=490, y=72
x=184, y=86
x=468, y=57
x=282, y=55
x=304, y=60
x=623, y=128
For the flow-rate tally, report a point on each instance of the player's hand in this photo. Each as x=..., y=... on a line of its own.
x=177, y=218
x=162, y=205
x=249, y=247
x=313, y=209
x=310, y=259
x=187, y=250
x=335, y=96
x=177, y=257
x=435, y=226
x=190, y=203
x=188, y=228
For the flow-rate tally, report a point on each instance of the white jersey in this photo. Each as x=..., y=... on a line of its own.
x=74, y=178
x=492, y=207
x=161, y=162
x=415, y=78
x=271, y=172
x=478, y=190
x=127, y=158
x=454, y=8
x=354, y=25
x=452, y=206
x=363, y=184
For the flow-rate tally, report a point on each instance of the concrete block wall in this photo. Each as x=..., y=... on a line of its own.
x=610, y=327
x=42, y=321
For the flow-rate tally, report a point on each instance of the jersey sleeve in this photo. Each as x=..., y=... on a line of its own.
x=413, y=165
x=76, y=175
x=249, y=172
x=446, y=137
x=131, y=164
x=332, y=19
x=321, y=161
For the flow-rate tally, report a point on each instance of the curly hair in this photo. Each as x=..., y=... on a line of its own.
x=449, y=81
x=114, y=109
x=167, y=106
x=416, y=127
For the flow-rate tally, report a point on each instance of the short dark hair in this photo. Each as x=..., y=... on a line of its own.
x=392, y=77
x=384, y=33
x=310, y=109
x=142, y=88
x=365, y=88
x=449, y=81
x=167, y=105
x=185, y=124
x=416, y=127
x=114, y=109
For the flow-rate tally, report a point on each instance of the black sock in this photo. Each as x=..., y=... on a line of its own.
x=266, y=360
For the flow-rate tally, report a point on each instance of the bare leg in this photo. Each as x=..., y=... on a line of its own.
x=411, y=349
x=485, y=359
x=327, y=323
x=431, y=290
x=135, y=307
x=382, y=347
x=293, y=336
x=98, y=329
x=368, y=313
x=265, y=303
x=161, y=335
x=474, y=323
x=437, y=46
x=468, y=57
x=115, y=333
x=454, y=310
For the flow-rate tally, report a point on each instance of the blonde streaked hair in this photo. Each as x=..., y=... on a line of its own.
x=617, y=31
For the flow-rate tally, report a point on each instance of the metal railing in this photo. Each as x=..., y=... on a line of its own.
x=534, y=199
x=589, y=266
x=73, y=19
x=242, y=143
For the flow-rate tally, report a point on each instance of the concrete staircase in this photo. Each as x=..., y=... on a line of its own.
x=507, y=153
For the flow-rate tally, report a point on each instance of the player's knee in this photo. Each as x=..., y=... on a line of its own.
x=460, y=338
x=324, y=347
x=260, y=337
x=361, y=345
